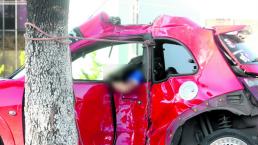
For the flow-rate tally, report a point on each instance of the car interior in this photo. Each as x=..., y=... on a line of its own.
x=167, y=63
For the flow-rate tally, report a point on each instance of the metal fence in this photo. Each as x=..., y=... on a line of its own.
x=13, y=15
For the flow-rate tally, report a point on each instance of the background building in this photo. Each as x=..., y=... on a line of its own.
x=205, y=12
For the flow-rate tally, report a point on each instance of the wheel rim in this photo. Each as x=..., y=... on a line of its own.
x=228, y=141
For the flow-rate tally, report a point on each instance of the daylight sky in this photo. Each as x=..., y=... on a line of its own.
x=198, y=10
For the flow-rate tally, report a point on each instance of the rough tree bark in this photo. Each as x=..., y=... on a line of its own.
x=49, y=102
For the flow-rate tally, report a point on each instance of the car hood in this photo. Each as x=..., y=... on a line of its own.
x=10, y=83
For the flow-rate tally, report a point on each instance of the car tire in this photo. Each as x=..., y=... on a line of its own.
x=227, y=137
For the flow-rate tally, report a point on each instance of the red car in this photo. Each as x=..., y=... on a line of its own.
x=201, y=85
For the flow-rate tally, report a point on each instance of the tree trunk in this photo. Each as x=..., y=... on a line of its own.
x=49, y=102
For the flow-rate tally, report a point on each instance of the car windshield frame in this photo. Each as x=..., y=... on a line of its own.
x=16, y=73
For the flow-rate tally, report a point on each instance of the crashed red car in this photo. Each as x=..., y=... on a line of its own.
x=201, y=86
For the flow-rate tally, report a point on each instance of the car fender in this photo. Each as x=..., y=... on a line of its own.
x=5, y=133
x=217, y=103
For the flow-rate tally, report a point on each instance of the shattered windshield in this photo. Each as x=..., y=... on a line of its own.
x=243, y=46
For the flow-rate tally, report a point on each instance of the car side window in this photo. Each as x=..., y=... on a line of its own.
x=178, y=60
x=99, y=64
x=173, y=59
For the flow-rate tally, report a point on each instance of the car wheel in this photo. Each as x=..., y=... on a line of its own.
x=227, y=137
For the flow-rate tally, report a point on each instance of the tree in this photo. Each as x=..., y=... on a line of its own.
x=49, y=101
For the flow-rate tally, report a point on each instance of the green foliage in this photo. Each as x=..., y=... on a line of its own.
x=2, y=69
x=95, y=70
x=22, y=58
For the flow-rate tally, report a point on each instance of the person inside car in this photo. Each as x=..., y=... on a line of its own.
x=128, y=78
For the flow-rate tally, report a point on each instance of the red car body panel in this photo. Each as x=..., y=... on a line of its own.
x=250, y=68
x=132, y=121
x=139, y=119
x=11, y=97
x=100, y=27
x=93, y=129
x=166, y=103
x=227, y=29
